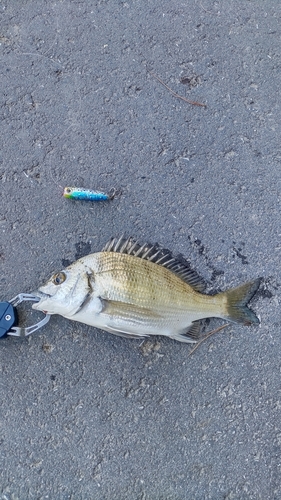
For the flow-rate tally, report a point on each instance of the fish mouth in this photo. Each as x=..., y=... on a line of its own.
x=39, y=296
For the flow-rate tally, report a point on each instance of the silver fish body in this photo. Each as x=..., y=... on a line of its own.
x=138, y=291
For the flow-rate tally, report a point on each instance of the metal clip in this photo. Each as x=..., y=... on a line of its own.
x=18, y=331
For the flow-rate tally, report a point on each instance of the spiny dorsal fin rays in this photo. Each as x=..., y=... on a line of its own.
x=157, y=255
x=152, y=257
x=131, y=250
x=108, y=247
x=123, y=247
x=170, y=261
x=117, y=245
x=163, y=259
x=145, y=255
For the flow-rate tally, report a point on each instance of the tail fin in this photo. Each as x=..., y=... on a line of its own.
x=237, y=300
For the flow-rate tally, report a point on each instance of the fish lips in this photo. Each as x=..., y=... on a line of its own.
x=41, y=296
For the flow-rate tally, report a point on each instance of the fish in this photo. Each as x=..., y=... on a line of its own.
x=75, y=193
x=135, y=291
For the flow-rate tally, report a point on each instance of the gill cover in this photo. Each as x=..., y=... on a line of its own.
x=65, y=292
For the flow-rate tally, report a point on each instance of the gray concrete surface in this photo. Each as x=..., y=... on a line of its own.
x=85, y=415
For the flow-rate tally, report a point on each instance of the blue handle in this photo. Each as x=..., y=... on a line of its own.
x=8, y=318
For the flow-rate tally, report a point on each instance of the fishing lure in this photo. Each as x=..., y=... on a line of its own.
x=74, y=193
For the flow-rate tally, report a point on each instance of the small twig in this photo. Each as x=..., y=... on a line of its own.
x=194, y=103
x=208, y=12
x=207, y=336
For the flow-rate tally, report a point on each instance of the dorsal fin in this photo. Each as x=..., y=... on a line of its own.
x=178, y=265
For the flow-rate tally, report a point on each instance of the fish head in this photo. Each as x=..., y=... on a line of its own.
x=66, y=291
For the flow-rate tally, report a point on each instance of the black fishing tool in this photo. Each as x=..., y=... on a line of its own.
x=9, y=317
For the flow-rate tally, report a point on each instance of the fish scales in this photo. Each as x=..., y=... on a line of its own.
x=135, y=281
x=136, y=291
x=164, y=301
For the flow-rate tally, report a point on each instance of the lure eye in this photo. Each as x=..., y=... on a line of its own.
x=68, y=190
x=59, y=278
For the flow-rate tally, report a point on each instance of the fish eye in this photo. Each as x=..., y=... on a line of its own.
x=59, y=278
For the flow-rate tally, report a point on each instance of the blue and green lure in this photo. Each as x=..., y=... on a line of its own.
x=74, y=193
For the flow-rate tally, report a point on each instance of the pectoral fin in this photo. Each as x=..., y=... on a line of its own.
x=128, y=320
x=127, y=311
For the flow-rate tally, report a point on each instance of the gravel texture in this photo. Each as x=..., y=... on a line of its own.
x=86, y=415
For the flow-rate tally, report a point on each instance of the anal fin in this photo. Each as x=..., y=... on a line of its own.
x=190, y=335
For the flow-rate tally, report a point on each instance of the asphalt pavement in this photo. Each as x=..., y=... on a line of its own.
x=84, y=414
